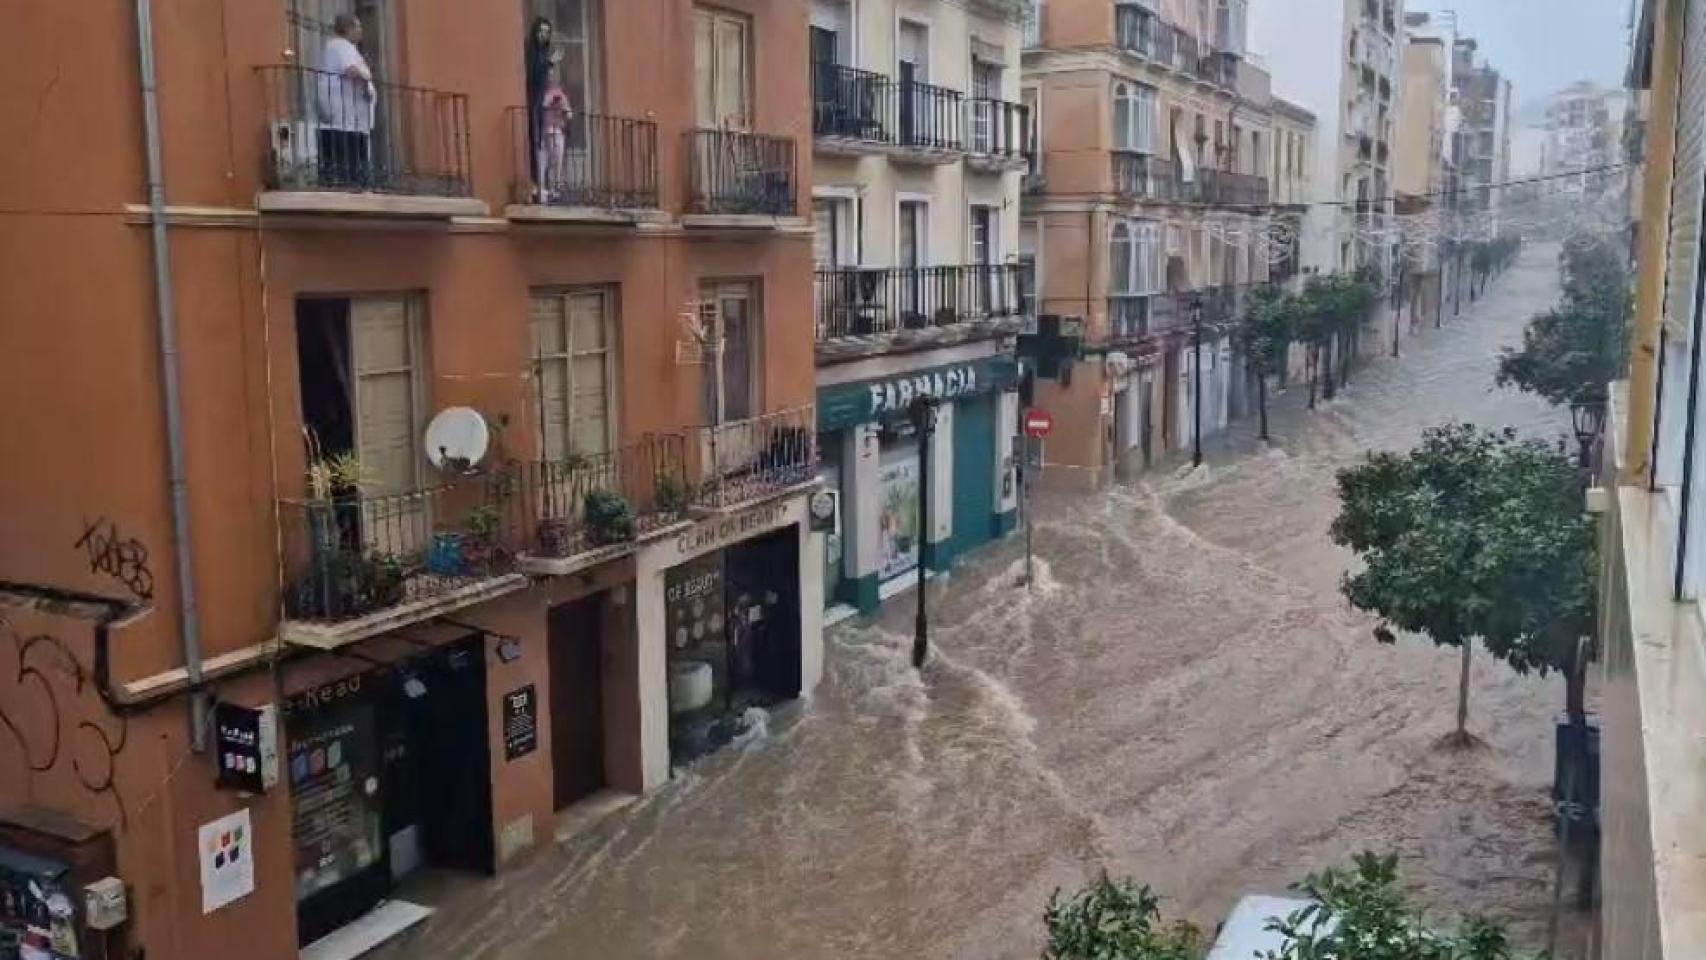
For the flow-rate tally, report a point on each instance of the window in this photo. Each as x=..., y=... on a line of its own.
x=734, y=306
x=912, y=54
x=985, y=87
x=1134, y=118
x=1134, y=265
x=912, y=241
x=1031, y=97
x=1030, y=238
x=572, y=342
x=834, y=232
x=572, y=39
x=722, y=59
x=310, y=26
x=983, y=238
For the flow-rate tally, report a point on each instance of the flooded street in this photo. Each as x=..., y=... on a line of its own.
x=1185, y=699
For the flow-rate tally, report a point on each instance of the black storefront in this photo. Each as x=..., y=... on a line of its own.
x=389, y=771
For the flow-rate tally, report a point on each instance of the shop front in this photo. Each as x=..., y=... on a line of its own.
x=734, y=634
x=875, y=463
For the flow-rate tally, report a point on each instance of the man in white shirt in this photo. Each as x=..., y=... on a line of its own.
x=345, y=98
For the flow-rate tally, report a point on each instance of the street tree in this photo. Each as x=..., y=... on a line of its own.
x=1474, y=534
x=1312, y=326
x=1570, y=352
x=1115, y=920
x=1265, y=337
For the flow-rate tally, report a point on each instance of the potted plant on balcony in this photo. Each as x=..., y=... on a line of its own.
x=609, y=517
x=673, y=496
x=482, y=548
x=334, y=584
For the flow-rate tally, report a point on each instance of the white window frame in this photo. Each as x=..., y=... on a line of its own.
x=929, y=29
x=822, y=16
x=1143, y=104
x=925, y=258
x=1145, y=239
x=850, y=239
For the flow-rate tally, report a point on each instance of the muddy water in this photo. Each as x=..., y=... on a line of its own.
x=1184, y=698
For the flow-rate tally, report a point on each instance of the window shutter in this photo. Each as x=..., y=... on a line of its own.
x=550, y=351
x=385, y=393
x=589, y=405
x=1688, y=186
x=732, y=73
x=704, y=61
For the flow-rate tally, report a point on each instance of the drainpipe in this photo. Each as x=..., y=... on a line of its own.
x=167, y=319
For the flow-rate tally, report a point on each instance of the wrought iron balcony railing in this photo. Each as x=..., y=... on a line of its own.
x=852, y=104
x=581, y=503
x=745, y=460
x=1141, y=176
x=329, y=132
x=931, y=117
x=584, y=160
x=734, y=172
x=861, y=301
x=999, y=128
x=354, y=554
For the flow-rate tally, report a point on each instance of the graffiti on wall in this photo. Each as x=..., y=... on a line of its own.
x=49, y=709
x=122, y=558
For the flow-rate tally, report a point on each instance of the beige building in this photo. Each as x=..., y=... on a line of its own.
x=1150, y=201
x=1422, y=169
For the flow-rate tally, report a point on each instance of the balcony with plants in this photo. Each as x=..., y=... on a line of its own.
x=358, y=561
x=736, y=177
x=863, y=311
x=583, y=509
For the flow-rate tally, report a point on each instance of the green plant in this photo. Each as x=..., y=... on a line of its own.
x=1474, y=534
x=609, y=517
x=672, y=493
x=337, y=475
x=1115, y=920
x=483, y=523
x=1572, y=351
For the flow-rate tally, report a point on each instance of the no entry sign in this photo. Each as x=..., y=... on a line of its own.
x=1038, y=423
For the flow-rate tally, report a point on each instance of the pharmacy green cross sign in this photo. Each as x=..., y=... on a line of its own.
x=1058, y=342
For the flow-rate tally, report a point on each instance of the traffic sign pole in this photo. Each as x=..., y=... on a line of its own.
x=1038, y=424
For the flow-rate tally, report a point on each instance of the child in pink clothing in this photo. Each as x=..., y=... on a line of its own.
x=556, y=114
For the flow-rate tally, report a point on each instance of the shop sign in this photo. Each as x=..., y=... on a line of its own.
x=693, y=603
x=521, y=722
x=246, y=747
x=847, y=404
x=227, y=847
x=723, y=531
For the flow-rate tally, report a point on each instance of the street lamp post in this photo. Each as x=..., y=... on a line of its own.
x=1196, y=378
x=1588, y=419
x=922, y=413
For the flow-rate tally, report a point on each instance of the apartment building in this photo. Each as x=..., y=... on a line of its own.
x=1355, y=97
x=1292, y=185
x=921, y=142
x=1583, y=130
x=1423, y=171
x=1653, y=686
x=1482, y=97
x=413, y=441
x=1150, y=212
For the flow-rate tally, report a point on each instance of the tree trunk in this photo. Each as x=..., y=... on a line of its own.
x=1463, y=694
x=1575, y=685
x=1327, y=374
x=1345, y=363
x=1262, y=403
x=1313, y=362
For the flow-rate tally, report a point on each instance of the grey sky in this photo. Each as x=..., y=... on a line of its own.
x=1542, y=45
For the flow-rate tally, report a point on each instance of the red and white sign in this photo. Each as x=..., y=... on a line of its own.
x=1038, y=423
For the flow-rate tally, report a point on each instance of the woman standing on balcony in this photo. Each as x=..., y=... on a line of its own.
x=539, y=70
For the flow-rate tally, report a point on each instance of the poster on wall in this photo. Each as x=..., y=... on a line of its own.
x=334, y=784
x=227, y=847
x=521, y=723
x=897, y=516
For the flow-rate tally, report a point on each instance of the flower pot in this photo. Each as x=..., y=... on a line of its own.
x=556, y=537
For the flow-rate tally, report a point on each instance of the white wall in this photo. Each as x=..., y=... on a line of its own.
x=1291, y=35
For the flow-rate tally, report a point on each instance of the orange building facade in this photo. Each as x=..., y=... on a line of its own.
x=592, y=240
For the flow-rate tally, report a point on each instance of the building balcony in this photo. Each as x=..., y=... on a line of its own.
x=747, y=461
x=866, y=310
x=930, y=121
x=584, y=509
x=586, y=168
x=341, y=145
x=1000, y=135
x=356, y=565
x=853, y=111
x=739, y=179
x=1138, y=30
x=1141, y=176
x=1223, y=187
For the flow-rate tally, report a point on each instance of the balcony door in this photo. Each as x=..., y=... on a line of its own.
x=912, y=242
x=984, y=237
x=733, y=306
x=722, y=59
x=912, y=67
x=985, y=116
x=573, y=66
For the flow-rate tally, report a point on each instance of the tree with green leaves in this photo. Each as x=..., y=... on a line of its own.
x=1115, y=920
x=1365, y=912
x=1474, y=534
x=1360, y=912
x=1572, y=351
x=1264, y=336
x=1312, y=325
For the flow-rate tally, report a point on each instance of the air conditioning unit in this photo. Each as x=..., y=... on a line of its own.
x=295, y=152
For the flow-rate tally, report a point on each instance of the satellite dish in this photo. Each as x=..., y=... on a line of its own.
x=456, y=439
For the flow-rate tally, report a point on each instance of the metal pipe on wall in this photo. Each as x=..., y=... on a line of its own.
x=167, y=320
